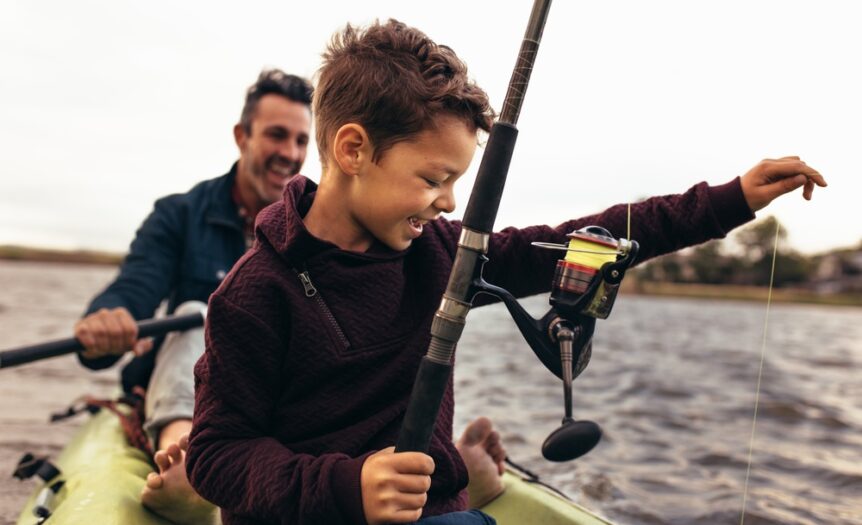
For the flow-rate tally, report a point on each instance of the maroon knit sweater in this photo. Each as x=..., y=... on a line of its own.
x=295, y=390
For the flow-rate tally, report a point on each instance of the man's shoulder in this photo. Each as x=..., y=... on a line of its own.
x=259, y=276
x=203, y=189
x=198, y=197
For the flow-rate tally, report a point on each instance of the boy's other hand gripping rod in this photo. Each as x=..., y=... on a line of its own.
x=436, y=367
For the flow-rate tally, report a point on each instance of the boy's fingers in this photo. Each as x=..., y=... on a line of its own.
x=808, y=191
x=789, y=184
x=411, y=502
x=413, y=484
x=413, y=463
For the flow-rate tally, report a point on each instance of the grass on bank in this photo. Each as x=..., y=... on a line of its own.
x=26, y=253
x=739, y=293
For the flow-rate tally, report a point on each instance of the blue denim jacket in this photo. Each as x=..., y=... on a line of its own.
x=180, y=253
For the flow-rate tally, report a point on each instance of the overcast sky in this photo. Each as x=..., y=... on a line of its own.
x=107, y=105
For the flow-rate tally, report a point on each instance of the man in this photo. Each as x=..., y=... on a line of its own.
x=181, y=253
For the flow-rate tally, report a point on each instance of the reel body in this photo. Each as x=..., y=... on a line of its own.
x=586, y=282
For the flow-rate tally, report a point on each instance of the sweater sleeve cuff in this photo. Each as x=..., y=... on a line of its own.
x=346, y=484
x=729, y=205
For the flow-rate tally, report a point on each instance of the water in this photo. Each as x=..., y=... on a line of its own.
x=671, y=382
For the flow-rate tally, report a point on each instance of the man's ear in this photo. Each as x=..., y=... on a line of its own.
x=239, y=136
x=351, y=148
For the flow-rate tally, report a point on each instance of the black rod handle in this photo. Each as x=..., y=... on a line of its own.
x=148, y=328
x=428, y=390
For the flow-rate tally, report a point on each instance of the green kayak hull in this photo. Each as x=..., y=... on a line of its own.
x=104, y=476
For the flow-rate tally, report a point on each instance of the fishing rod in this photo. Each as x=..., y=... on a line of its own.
x=585, y=285
x=450, y=319
x=148, y=328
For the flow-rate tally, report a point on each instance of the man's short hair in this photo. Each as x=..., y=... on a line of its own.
x=393, y=81
x=277, y=82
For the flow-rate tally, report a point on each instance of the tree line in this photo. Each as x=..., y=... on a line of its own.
x=744, y=259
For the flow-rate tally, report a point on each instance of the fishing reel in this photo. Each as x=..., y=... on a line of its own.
x=586, y=282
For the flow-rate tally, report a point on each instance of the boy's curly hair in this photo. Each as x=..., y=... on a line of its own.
x=392, y=80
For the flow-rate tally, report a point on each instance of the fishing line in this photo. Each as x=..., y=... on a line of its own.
x=629, y=224
x=760, y=373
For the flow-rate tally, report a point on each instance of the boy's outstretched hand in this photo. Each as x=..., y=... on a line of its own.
x=772, y=178
x=395, y=486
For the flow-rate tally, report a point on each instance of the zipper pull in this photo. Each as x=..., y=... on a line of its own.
x=310, y=290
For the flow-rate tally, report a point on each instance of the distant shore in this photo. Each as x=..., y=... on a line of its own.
x=631, y=285
x=738, y=293
x=27, y=253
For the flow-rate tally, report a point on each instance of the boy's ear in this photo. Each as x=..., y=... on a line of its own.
x=351, y=148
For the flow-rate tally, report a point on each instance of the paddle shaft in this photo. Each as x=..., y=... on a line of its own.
x=435, y=369
x=148, y=328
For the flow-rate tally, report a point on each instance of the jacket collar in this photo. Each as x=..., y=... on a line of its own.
x=221, y=209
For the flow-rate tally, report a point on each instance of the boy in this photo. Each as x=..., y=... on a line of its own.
x=315, y=337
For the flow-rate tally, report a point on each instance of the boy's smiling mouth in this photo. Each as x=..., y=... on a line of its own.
x=416, y=224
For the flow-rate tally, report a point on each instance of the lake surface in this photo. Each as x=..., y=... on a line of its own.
x=672, y=383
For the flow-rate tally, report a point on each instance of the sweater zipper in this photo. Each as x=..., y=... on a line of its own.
x=311, y=292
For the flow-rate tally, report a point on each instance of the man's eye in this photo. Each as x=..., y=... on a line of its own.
x=431, y=182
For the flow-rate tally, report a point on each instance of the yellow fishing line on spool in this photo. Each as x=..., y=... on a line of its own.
x=590, y=253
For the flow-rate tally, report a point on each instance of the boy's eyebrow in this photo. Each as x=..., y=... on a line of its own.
x=439, y=166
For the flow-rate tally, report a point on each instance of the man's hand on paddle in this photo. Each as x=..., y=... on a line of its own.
x=395, y=486
x=110, y=332
x=772, y=178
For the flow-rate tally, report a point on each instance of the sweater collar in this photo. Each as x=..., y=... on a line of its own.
x=282, y=226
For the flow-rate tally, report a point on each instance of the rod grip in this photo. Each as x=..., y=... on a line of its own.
x=491, y=178
x=148, y=328
x=421, y=416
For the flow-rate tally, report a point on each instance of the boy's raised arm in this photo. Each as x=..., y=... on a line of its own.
x=661, y=224
x=232, y=459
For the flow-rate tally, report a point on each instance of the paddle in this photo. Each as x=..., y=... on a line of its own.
x=436, y=366
x=148, y=328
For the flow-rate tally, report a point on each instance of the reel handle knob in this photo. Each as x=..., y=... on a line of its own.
x=572, y=440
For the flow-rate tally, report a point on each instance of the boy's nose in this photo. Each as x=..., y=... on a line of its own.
x=446, y=201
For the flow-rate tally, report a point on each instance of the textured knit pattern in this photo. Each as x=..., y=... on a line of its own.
x=294, y=392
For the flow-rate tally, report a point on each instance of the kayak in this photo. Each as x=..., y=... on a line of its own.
x=103, y=476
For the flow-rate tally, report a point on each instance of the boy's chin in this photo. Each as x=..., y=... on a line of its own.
x=397, y=245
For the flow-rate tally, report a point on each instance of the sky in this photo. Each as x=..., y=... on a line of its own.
x=107, y=105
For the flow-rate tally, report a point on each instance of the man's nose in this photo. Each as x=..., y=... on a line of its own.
x=290, y=150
